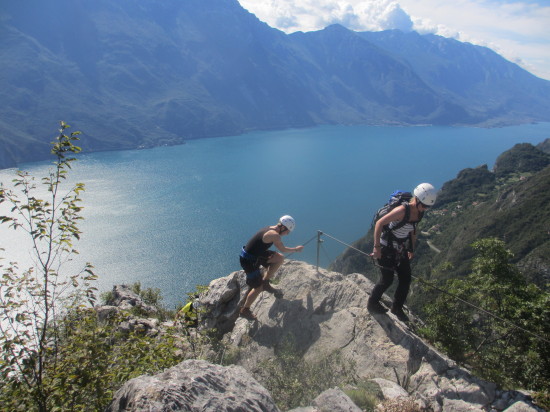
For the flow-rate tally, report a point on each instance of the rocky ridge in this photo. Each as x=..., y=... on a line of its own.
x=322, y=312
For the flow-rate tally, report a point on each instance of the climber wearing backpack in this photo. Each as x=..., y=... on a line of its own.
x=394, y=240
x=256, y=253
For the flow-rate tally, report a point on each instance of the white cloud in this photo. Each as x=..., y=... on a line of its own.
x=383, y=15
x=308, y=15
x=516, y=29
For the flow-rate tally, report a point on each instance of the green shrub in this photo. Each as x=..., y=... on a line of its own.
x=485, y=337
x=366, y=394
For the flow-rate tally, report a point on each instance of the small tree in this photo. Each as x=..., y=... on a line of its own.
x=34, y=300
x=510, y=348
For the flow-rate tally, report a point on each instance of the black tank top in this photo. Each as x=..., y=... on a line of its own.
x=256, y=245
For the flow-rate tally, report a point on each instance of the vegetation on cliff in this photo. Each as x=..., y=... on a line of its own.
x=504, y=332
x=55, y=351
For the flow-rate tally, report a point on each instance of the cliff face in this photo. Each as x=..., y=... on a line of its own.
x=322, y=313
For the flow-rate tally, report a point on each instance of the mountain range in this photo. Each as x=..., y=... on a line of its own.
x=137, y=74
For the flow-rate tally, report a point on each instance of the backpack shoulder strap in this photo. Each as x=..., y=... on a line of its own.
x=407, y=212
x=405, y=218
x=387, y=233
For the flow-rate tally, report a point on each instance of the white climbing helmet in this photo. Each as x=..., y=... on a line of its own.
x=426, y=193
x=288, y=222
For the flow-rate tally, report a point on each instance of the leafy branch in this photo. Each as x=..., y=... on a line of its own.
x=33, y=301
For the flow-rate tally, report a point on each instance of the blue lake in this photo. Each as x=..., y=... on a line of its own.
x=176, y=217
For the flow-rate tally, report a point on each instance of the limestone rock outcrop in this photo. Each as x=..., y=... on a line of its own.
x=194, y=385
x=323, y=312
x=126, y=299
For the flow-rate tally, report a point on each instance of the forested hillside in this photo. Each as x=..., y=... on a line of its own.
x=510, y=203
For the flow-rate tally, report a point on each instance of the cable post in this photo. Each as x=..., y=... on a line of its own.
x=319, y=241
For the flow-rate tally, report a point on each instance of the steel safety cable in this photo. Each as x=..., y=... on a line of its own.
x=443, y=291
x=304, y=245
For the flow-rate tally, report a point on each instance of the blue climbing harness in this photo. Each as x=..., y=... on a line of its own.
x=248, y=256
x=251, y=258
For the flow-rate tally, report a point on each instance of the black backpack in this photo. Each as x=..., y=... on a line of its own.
x=397, y=198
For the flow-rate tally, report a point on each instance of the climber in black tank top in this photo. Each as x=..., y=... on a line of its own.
x=256, y=246
x=256, y=254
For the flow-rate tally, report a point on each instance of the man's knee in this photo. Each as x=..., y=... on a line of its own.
x=276, y=258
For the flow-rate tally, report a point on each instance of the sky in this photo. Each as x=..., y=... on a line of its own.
x=518, y=30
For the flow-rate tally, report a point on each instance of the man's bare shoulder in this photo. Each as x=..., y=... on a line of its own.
x=270, y=235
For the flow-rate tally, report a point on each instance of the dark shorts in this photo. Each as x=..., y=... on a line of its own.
x=252, y=268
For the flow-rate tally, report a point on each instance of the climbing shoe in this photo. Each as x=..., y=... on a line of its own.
x=376, y=307
x=398, y=312
x=270, y=289
x=247, y=314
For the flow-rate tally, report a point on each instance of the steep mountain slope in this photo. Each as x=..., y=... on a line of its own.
x=370, y=84
x=510, y=203
x=140, y=74
x=468, y=74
